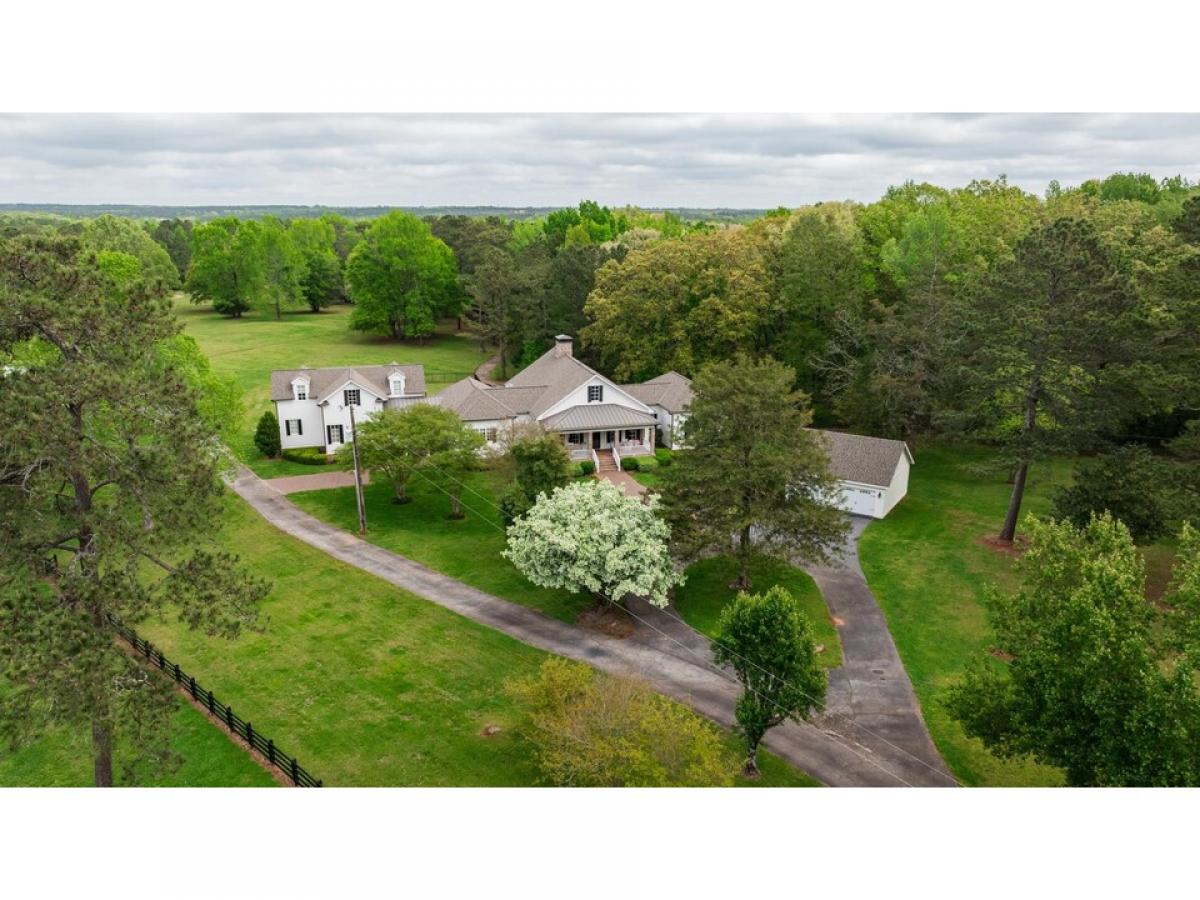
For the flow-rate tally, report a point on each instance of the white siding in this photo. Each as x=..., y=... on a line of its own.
x=612, y=394
x=898, y=488
x=309, y=414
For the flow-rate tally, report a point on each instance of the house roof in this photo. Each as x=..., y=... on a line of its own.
x=474, y=401
x=597, y=416
x=866, y=460
x=671, y=391
x=374, y=378
x=556, y=374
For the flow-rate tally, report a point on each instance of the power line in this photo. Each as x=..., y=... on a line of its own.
x=846, y=719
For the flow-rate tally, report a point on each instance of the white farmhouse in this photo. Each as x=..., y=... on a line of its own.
x=313, y=405
x=596, y=418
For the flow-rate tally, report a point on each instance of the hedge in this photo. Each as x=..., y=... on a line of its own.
x=646, y=463
x=629, y=463
x=307, y=456
x=587, y=467
x=664, y=455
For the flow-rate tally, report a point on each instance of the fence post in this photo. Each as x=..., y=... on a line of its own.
x=162, y=660
x=271, y=751
x=192, y=685
x=250, y=735
x=211, y=703
x=147, y=649
x=229, y=718
x=295, y=771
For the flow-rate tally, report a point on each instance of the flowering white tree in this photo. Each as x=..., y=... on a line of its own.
x=589, y=536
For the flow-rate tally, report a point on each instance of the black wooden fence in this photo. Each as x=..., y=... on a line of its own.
x=206, y=698
x=433, y=376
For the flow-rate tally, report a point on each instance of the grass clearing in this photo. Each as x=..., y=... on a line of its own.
x=249, y=348
x=62, y=758
x=467, y=549
x=707, y=591
x=929, y=568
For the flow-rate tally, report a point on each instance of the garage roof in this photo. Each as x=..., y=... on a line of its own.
x=866, y=460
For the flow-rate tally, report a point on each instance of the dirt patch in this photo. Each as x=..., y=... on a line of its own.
x=608, y=619
x=1016, y=549
x=490, y=731
x=997, y=653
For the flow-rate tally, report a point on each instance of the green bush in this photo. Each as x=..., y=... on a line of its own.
x=587, y=467
x=664, y=455
x=307, y=456
x=513, y=504
x=629, y=463
x=1131, y=484
x=646, y=463
x=266, y=435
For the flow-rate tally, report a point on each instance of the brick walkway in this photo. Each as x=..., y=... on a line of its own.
x=625, y=481
x=292, y=484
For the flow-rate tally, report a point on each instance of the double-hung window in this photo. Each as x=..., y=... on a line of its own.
x=595, y=393
x=351, y=397
x=292, y=426
x=490, y=435
x=334, y=434
x=301, y=391
x=632, y=434
x=575, y=438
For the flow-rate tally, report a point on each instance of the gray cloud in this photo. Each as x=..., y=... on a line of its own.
x=545, y=160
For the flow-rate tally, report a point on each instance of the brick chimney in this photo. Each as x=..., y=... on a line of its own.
x=563, y=346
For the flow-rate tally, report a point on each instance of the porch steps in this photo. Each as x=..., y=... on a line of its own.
x=607, y=463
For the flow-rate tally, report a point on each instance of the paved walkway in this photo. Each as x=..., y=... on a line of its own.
x=624, y=481
x=292, y=484
x=673, y=659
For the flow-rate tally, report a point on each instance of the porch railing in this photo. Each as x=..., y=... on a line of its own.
x=616, y=455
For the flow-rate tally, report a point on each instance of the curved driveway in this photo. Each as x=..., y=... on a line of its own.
x=665, y=652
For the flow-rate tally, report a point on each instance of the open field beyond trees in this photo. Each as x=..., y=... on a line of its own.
x=249, y=348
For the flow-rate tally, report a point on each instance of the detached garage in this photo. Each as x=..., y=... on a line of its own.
x=873, y=472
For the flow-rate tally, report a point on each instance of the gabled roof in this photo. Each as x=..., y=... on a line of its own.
x=866, y=460
x=322, y=381
x=597, y=416
x=474, y=401
x=671, y=391
x=556, y=374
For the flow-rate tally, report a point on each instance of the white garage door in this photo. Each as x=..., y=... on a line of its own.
x=859, y=501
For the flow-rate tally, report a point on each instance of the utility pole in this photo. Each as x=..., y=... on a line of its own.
x=358, y=491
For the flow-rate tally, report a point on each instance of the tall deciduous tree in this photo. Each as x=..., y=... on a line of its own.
x=275, y=267
x=677, y=304
x=590, y=537
x=402, y=278
x=113, y=233
x=768, y=642
x=321, y=282
x=113, y=471
x=757, y=473
x=217, y=273
x=1089, y=685
x=1053, y=342
x=175, y=236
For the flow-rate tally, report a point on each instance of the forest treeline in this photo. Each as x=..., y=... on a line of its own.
x=1040, y=324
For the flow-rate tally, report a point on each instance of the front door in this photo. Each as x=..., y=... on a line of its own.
x=595, y=440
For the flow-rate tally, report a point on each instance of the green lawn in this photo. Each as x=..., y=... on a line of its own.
x=707, y=590
x=250, y=347
x=367, y=684
x=467, y=549
x=62, y=758
x=928, y=566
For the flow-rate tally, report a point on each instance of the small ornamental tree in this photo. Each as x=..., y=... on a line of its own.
x=266, y=435
x=1130, y=484
x=540, y=465
x=397, y=443
x=594, y=730
x=768, y=642
x=592, y=537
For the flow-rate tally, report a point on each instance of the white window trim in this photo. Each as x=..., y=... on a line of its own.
x=393, y=382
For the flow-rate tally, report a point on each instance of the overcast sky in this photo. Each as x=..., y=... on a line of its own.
x=548, y=160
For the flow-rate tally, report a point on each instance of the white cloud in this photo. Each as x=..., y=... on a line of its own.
x=546, y=160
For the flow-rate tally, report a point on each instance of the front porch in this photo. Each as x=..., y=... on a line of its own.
x=623, y=442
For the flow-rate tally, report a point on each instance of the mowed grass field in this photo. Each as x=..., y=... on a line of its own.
x=929, y=567
x=62, y=758
x=248, y=349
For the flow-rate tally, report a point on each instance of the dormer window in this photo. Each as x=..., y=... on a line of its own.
x=595, y=393
x=300, y=390
x=396, y=384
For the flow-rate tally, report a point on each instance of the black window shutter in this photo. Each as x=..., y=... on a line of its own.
x=287, y=427
x=299, y=426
